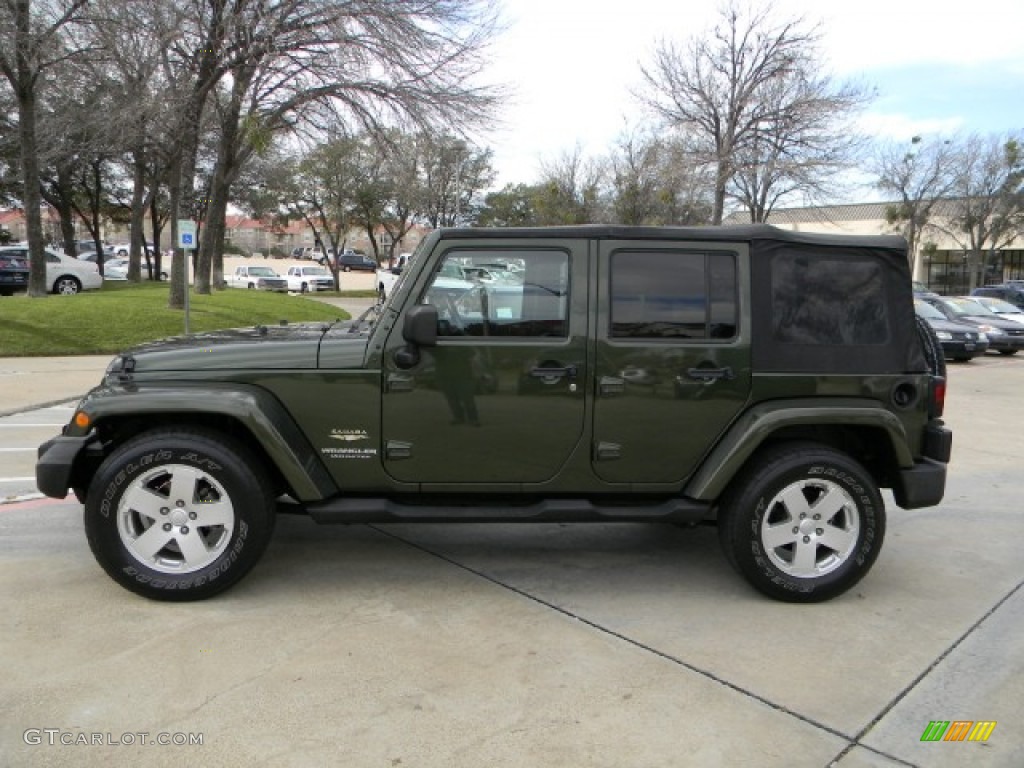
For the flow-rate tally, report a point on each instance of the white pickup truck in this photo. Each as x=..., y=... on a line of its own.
x=256, y=278
x=387, y=277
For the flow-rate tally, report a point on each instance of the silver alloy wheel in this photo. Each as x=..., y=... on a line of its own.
x=175, y=519
x=67, y=286
x=810, y=528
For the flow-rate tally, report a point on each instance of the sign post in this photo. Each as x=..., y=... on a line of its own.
x=187, y=242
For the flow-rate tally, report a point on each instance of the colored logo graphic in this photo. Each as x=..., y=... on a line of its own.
x=958, y=730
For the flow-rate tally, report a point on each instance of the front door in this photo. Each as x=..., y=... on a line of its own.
x=500, y=400
x=672, y=362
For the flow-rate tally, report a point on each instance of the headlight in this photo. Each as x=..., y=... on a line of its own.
x=991, y=331
x=982, y=337
x=944, y=335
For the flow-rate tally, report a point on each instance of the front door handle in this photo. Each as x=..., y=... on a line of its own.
x=551, y=373
x=710, y=374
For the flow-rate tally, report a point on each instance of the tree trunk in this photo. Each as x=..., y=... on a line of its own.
x=721, y=180
x=135, y=250
x=32, y=197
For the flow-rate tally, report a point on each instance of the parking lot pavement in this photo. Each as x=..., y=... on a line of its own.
x=31, y=382
x=20, y=435
x=538, y=645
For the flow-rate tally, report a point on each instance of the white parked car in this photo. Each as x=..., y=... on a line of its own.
x=306, y=279
x=115, y=269
x=63, y=273
x=256, y=277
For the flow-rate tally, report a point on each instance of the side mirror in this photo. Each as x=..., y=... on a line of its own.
x=420, y=326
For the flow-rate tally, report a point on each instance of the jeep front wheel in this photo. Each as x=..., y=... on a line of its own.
x=178, y=514
x=803, y=524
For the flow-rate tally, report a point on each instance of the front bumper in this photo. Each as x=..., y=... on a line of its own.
x=56, y=464
x=958, y=349
x=1005, y=343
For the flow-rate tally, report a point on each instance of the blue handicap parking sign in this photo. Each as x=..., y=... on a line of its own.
x=186, y=238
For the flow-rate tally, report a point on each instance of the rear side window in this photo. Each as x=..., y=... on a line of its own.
x=829, y=301
x=673, y=295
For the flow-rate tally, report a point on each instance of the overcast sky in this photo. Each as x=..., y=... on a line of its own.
x=571, y=64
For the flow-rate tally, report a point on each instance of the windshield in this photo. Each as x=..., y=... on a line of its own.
x=262, y=272
x=1001, y=307
x=314, y=271
x=926, y=310
x=967, y=307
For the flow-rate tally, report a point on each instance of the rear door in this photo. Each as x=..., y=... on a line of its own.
x=672, y=366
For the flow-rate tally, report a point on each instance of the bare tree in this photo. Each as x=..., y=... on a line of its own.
x=361, y=64
x=802, y=144
x=655, y=182
x=986, y=208
x=920, y=176
x=133, y=37
x=570, y=190
x=35, y=46
x=748, y=97
x=454, y=175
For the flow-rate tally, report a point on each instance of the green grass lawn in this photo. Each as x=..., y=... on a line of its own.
x=120, y=315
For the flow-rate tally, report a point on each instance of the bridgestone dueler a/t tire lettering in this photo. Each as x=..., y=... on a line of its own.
x=802, y=523
x=179, y=514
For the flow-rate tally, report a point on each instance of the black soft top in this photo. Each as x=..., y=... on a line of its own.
x=748, y=233
x=820, y=303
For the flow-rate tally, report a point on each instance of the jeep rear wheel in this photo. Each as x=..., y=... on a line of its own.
x=804, y=523
x=178, y=514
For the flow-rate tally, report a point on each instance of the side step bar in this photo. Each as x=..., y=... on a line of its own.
x=378, y=510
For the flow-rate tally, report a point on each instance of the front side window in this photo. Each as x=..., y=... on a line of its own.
x=476, y=295
x=673, y=295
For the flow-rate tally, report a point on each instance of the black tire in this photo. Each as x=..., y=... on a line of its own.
x=933, y=354
x=67, y=285
x=346, y=269
x=1007, y=351
x=805, y=559
x=226, y=487
x=304, y=288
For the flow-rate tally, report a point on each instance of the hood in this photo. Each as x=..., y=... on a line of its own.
x=994, y=320
x=258, y=348
x=951, y=326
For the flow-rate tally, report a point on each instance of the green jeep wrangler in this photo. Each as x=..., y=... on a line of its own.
x=767, y=381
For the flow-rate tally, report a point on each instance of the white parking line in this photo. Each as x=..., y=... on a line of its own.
x=16, y=479
x=12, y=425
x=16, y=450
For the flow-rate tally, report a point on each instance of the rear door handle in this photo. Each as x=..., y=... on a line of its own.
x=399, y=383
x=611, y=385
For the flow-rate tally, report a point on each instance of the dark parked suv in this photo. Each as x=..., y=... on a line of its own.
x=768, y=382
x=14, y=273
x=350, y=260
